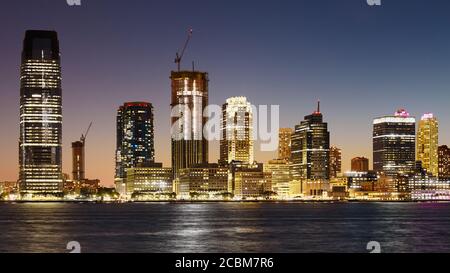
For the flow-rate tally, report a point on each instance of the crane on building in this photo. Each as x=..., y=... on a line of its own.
x=179, y=56
x=84, y=136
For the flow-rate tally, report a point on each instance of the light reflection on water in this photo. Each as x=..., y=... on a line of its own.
x=225, y=227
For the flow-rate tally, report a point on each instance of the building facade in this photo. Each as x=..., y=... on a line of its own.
x=284, y=143
x=40, y=142
x=150, y=179
x=444, y=162
x=249, y=180
x=189, y=100
x=135, y=138
x=335, y=162
x=203, y=181
x=310, y=153
x=394, y=141
x=360, y=164
x=281, y=176
x=236, y=143
x=427, y=143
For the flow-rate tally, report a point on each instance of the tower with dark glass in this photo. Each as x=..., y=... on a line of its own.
x=135, y=137
x=40, y=141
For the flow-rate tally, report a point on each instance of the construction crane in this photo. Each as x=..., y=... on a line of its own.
x=179, y=56
x=83, y=136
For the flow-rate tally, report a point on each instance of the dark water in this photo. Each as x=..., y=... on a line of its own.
x=225, y=227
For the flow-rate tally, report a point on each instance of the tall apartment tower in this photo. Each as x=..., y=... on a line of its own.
x=427, y=143
x=284, y=143
x=236, y=142
x=189, y=100
x=335, y=161
x=135, y=137
x=78, y=161
x=311, y=149
x=394, y=142
x=40, y=142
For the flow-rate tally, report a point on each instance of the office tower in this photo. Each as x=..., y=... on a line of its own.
x=394, y=141
x=444, y=162
x=360, y=164
x=427, y=143
x=203, y=181
x=284, y=144
x=189, y=100
x=40, y=150
x=281, y=176
x=236, y=143
x=78, y=161
x=335, y=161
x=311, y=149
x=135, y=137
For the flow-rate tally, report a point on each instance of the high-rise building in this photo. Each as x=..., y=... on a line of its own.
x=236, y=142
x=335, y=161
x=394, y=141
x=78, y=161
x=360, y=164
x=284, y=143
x=444, y=162
x=135, y=138
x=428, y=142
x=311, y=149
x=189, y=100
x=40, y=143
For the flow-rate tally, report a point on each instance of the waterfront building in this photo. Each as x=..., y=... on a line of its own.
x=189, y=100
x=310, y=154
x=394, y=140
x=428, y=142
x=135, y=139
x=281, y=176
x=205, y=181
x=236, y=142
x=152, y=179
x=40, y=142
x=249, y=181
x=362, y=181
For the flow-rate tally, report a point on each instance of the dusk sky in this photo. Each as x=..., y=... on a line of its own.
x=360, y=61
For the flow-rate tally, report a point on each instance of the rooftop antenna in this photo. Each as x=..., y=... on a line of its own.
x=179, y=56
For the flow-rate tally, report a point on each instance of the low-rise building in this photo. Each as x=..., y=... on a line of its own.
x=149, y=179
x=250, y=181
x=203, y=181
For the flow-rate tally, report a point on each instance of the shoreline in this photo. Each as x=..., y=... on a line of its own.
x=222, y=201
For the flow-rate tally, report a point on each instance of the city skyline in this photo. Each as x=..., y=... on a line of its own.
x=100, y=160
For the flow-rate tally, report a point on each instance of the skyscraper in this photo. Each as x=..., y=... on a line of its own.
x=236, y=142
x=135, y=137
x=284, y=143
x=189, y=100
x=428, y=142
x=311, y=149
x=444, y=162
x=335, y=161
x=78, y=161
x=40, y=142
x=360, y=164
x=394, y=141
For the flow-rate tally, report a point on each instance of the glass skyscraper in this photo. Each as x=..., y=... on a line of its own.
x=394, y=141
x=40, y=141
x=189, y=100
x=135, y=137
x=236, y=143
x=311, y=149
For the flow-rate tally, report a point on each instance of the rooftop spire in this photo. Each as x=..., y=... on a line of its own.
x=318, y=108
